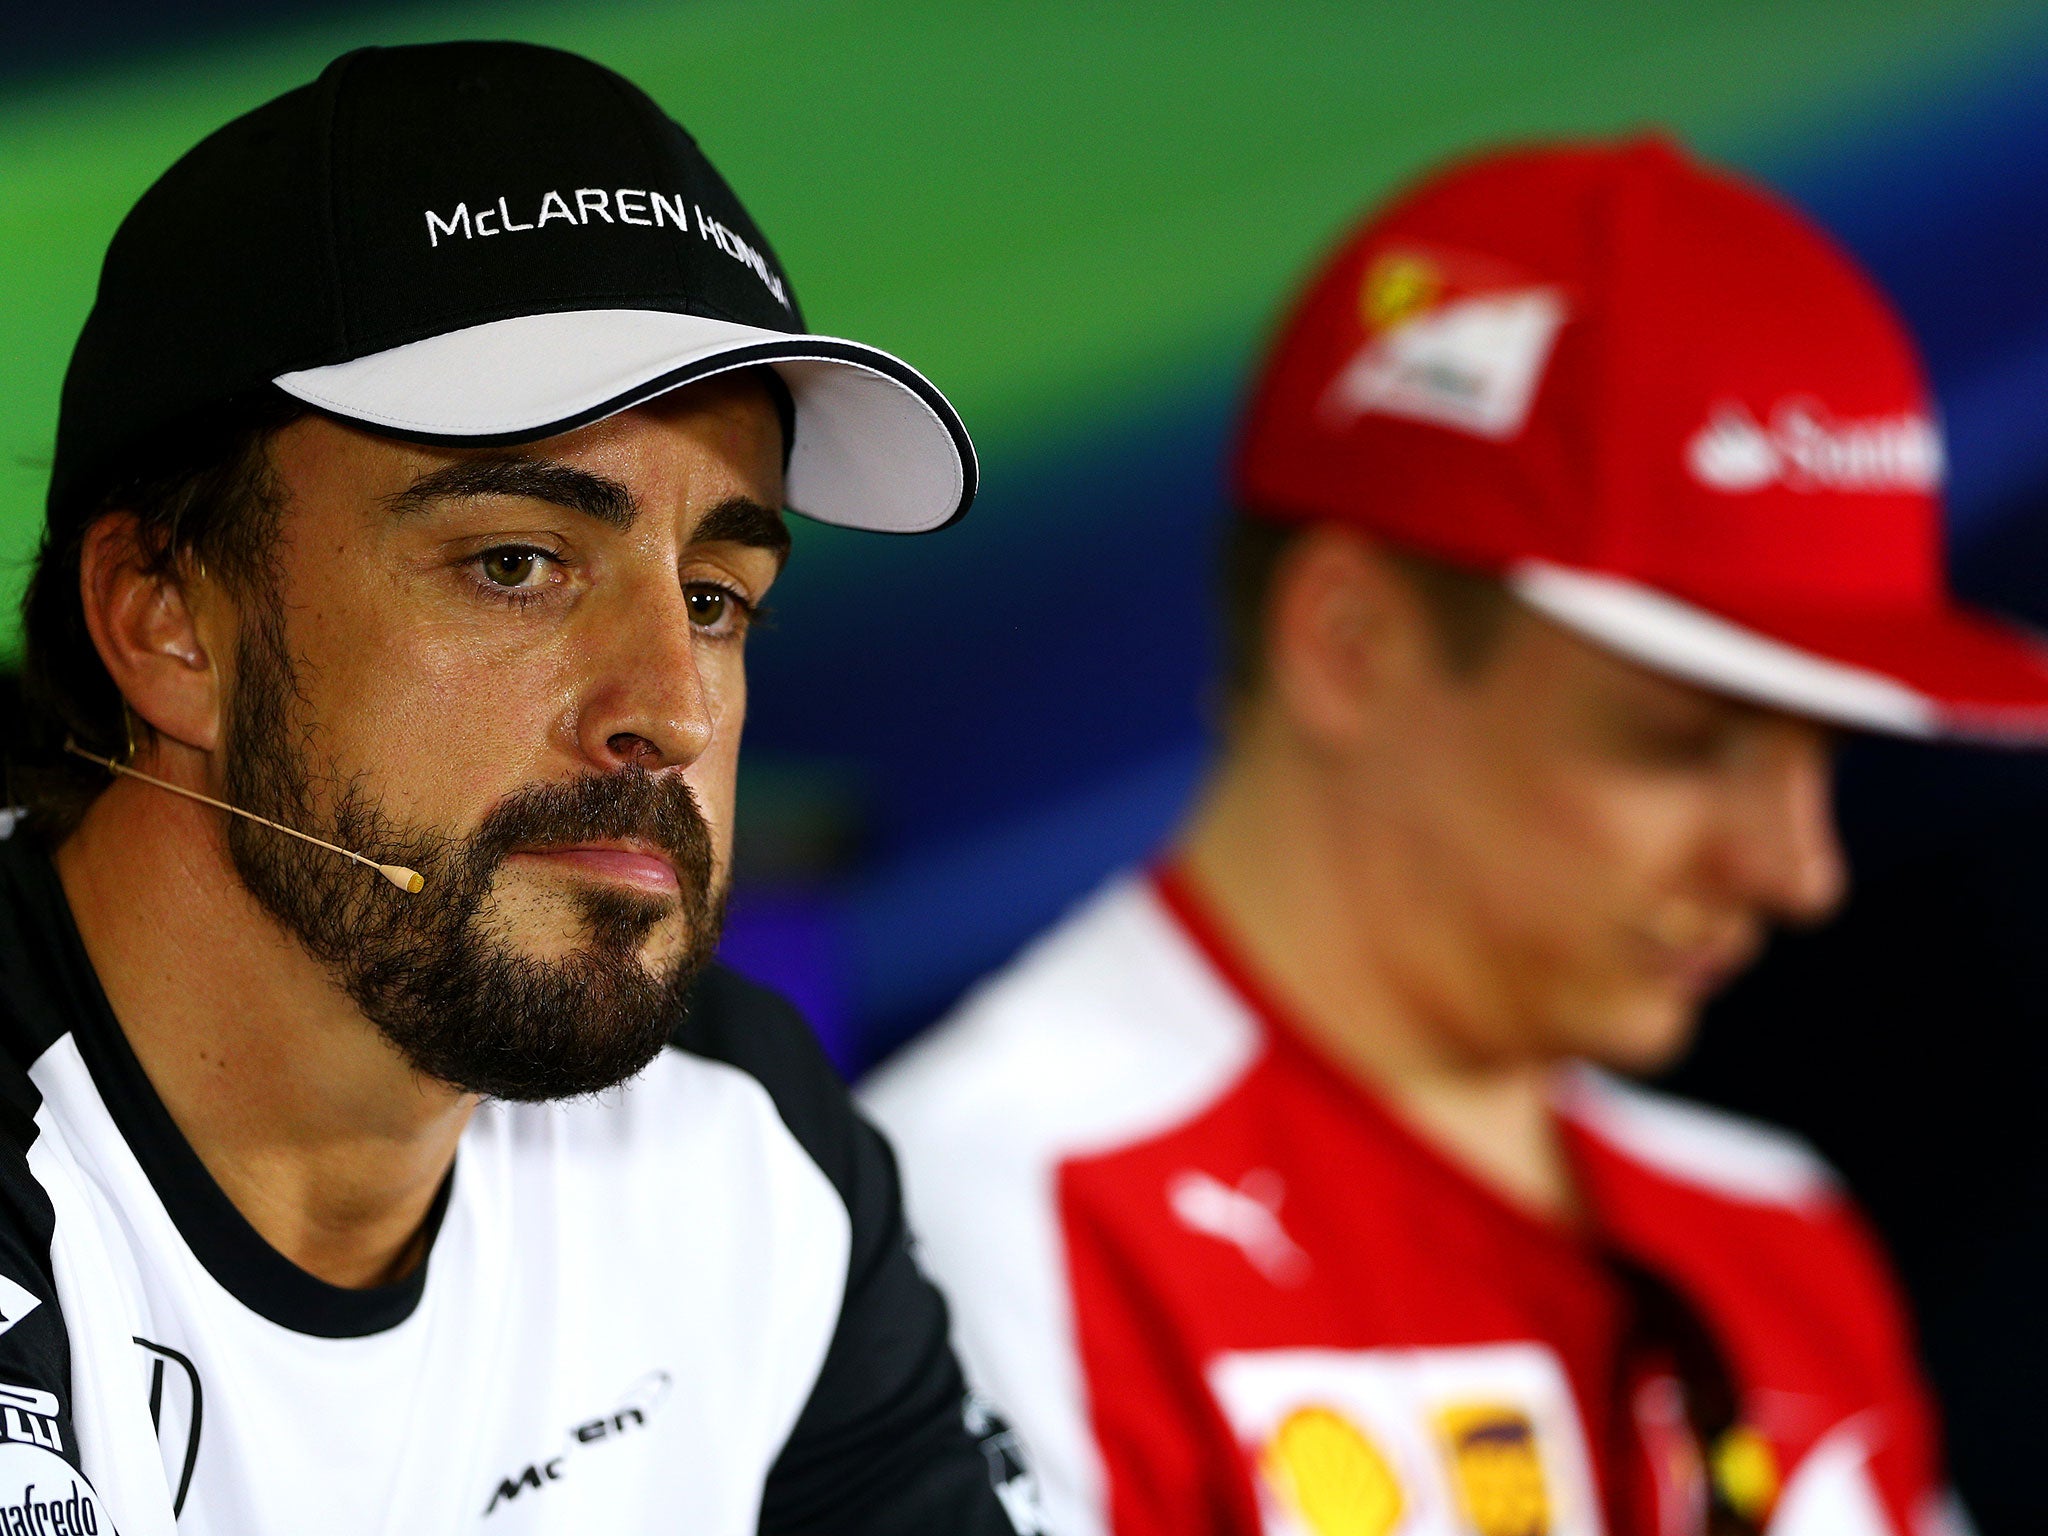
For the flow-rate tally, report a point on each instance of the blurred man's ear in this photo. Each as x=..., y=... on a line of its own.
x=1347, y=637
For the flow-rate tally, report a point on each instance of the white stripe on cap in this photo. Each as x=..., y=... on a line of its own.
x=870, y=450
x=1675, y=637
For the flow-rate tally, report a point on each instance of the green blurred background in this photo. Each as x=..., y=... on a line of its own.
x=1054, y=210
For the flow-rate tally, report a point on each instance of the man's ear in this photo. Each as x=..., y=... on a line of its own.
x=149, y=633
x=1343, y=633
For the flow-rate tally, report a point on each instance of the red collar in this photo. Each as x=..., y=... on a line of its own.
x=1196, y=917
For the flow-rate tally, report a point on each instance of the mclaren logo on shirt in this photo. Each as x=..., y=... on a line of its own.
x=177, y=1409
x=638, y=1406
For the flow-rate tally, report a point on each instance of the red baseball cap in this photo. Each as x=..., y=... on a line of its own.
x=1667, y=410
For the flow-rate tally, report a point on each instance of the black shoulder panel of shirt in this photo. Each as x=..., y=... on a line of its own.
x=35, y=1346
x=49, y=989
x=889, y=1443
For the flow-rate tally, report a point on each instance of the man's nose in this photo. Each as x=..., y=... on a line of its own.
x=646, y=701
x=1784, y=850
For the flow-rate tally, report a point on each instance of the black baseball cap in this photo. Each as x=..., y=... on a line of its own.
x=478, y=244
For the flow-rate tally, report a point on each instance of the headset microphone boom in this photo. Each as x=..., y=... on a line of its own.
x=408, y=880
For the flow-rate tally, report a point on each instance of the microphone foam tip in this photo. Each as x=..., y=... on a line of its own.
x=405, y=879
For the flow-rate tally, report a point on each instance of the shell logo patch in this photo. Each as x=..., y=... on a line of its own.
x=1322, y=1465
x=1745, y=1470
x=1428, y=1440
x=1495, y=1466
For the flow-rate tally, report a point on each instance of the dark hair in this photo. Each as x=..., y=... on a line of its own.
x=206, y=494
x=1466, y=608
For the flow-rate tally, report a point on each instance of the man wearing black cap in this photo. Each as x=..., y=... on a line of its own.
x=380, y=1151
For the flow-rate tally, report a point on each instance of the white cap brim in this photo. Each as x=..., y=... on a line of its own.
x=1689, y=643
x=876, y=445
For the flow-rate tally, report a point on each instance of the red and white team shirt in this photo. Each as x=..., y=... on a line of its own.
x=1219, y=1288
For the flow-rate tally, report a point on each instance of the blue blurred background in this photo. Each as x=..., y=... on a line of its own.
x=1080, y=221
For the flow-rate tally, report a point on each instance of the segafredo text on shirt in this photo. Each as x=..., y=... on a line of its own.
x=615, y=205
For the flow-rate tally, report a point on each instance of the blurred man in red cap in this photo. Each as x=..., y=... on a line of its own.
x=1586, y=494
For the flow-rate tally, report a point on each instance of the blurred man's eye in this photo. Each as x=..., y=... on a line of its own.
x=1685, y=746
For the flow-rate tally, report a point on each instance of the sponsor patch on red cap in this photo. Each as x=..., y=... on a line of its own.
x=1805, y=448
x=1451, y=338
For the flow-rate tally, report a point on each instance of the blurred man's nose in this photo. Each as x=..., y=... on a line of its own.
x=1784, y=853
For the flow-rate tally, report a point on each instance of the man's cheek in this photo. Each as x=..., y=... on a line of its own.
x=1573, y=941
x=714, y=777
x=455, y=738
x=716, y=799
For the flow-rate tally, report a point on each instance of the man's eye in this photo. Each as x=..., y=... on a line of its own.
x=510, y=567
x=714, y=607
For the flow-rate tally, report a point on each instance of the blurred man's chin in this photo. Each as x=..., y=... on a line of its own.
x=1646, y=1034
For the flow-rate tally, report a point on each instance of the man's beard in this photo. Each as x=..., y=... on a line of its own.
x=433, y=971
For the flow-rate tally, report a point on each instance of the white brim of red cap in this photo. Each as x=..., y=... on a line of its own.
x=1954, y=675
x=876, y=445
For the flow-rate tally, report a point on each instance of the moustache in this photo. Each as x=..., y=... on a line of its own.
x=658, y=810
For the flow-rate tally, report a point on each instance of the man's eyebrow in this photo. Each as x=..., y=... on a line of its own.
x=561, y=485
x=742, y=520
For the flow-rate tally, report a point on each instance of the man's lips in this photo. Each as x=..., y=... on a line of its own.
x=629, y=863
x=1706, y=964
x=1704, y=971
